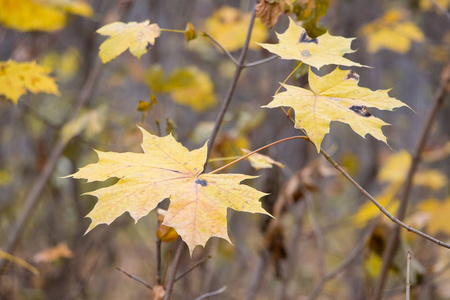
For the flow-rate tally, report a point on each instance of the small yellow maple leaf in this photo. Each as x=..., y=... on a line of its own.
x=166, y=169
x=45, y=15
x=391, y=32
x=261, y=161
x=16, y=78
x=439, y=212
x=139, y=37
x=229, y=26
x=335, y=97
x=295, y=44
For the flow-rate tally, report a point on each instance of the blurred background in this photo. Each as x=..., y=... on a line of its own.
x=178, y=86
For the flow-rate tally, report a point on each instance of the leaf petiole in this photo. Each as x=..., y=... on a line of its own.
x=289, y=76
x=173, y=30
x=259, y=149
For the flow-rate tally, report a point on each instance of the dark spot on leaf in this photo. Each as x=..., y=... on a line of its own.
x=304, y=38
x=352, y=75
x=361, y=110
x=201, y=182
x=305, y=53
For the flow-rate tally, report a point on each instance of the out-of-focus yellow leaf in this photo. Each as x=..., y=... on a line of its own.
x=439, y=212
x=261, y=161
x=191, y=86
x=19, y=262
x=65, y=65
x=16, y=78
x=155, y=78
x=138, y=37
x=335, y=97
x=295, y=44
x=427, y=4
x=42, y=15
x=229, y=27
x=76, y=7
x=91, y=121
x=54, y=253
x=396, y=169
x=391, y=32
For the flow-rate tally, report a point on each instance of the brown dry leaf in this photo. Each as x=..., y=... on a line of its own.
x=52, y=254
x=268, y=12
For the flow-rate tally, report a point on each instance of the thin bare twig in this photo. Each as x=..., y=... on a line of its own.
x=231, y=88
x=260, y=62
x=408, y=266
x=221, y=47
x=219, y=291
x=135, y=278
x=192, y=268
x=441, y=9
x=392, y=243
x=173, y=269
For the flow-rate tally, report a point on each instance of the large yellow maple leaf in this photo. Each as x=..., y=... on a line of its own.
x=16, y=78
x=139, y=37
x=295, y=44
x=335, y=97
x=166, y=169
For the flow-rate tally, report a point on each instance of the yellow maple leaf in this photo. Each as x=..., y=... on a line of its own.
x=166, y=169
x=295, y=44
x=229, y=26
x=335, y=97
x=191, y=86
x=139, y=37
x=45, y=15
x=16, y=78
x=261, y=161
x=439, y=212
x=391, y=32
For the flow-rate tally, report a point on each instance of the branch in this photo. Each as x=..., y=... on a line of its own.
x=408, y=284
x=441, y=9
x=192, y=268
x=260, y=62
x=392, y=243
x=221, y=47
x=219, y=291
x=135, y=278
x=173, y=269
x=231, y=88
